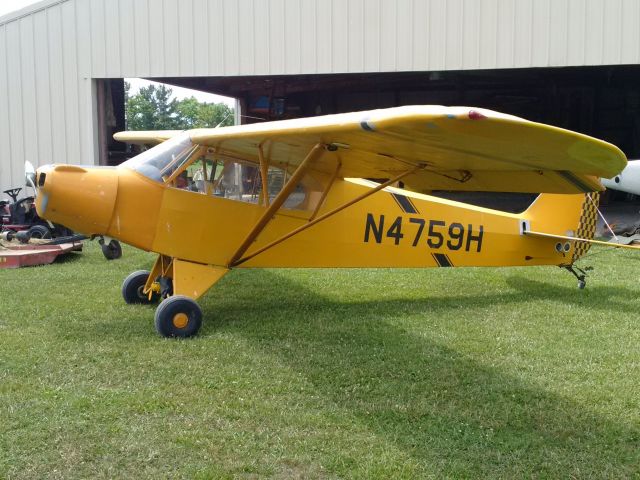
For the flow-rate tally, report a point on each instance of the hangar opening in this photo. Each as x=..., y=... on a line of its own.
x=603, y=102
x=600, y=101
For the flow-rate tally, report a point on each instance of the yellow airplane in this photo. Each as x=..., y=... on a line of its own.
x=292, y=194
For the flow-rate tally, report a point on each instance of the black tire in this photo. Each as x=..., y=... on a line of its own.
x=23, y=236
x=132, y=288
x=178, y=316
x=39, y=231
x=112, y=250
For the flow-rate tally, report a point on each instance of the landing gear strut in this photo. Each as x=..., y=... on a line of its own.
x=580, y=274
x=111, y=250
x=176, y=316
x=176, y=283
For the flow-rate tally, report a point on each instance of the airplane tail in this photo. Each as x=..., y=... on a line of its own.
x=566, y=215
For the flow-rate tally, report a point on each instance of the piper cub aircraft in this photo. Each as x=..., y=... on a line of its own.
x=300, y=193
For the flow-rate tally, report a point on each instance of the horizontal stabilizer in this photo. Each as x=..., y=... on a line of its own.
x=575, y=239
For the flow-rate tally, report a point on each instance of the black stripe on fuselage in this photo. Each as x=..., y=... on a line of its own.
x=405, y=203
x=442, y=260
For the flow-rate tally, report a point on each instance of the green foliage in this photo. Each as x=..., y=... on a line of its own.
x=319, y=373
x=152, y=108
x=193, y=114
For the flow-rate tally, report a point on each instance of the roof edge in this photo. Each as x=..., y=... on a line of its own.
x=29, y=10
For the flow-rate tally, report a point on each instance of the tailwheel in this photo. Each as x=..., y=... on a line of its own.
x=580, y=274
x=111, y=250
x=133, y=286
x=178, y=316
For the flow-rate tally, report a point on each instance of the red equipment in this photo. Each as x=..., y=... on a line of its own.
x=15, y=256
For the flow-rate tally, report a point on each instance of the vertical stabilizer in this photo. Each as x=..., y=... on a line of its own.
x=567, y=215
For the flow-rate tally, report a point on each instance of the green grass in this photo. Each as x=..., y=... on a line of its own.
x=440, y=373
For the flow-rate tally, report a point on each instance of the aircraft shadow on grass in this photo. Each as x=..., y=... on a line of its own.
x=448, y=412
x=614, y=300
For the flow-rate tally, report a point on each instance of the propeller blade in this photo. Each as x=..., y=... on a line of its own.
x=30, y=174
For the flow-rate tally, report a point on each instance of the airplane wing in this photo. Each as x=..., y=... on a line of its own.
x=460, y=148
x=151, y=137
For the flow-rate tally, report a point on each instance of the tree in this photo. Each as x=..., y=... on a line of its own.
x=214, y=114
x=152, y=108
x=194, y=114
x=188, y=111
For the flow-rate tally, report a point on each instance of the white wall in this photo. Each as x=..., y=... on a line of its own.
x=49, y=53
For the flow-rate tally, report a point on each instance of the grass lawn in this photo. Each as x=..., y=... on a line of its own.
x=439, y=373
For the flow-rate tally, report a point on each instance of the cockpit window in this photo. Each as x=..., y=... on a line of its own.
x=159, y=162
x=197, y=168
x=237, y=180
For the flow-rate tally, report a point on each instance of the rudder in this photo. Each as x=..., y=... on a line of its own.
x=587, y=225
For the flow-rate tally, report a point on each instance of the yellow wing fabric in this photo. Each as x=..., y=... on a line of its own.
x=151, y=137
x=461, y=148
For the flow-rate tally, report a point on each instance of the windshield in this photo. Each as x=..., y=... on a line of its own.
x=159, y=162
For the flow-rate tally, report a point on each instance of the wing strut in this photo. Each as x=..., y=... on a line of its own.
x=332, y=180
x=264, y=173
x=327, y=215
x=271, y=210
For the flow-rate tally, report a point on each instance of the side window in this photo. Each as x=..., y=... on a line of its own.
x=277, y=179
x=239, y=181
x=242, y=181
x=199, y=176
x=204, y=172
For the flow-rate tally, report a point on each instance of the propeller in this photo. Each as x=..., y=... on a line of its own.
x=30, y=175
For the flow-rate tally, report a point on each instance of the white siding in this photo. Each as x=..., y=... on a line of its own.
x=201, y=37
x=51, y=52
x=44, y=83
x=5, y=115
x=71, y=83
x=15, y=109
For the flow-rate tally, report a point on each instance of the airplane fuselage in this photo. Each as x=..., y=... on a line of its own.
x=390, y=228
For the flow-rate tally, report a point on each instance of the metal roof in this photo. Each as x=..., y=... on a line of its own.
x=28, y=10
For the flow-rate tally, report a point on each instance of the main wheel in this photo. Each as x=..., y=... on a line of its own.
x=133, y=286
x=112, y=250
x=178, y=316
